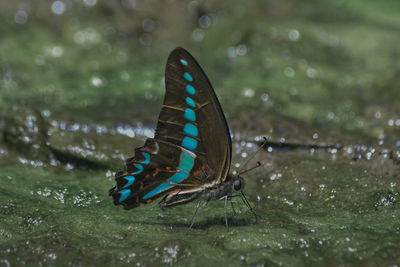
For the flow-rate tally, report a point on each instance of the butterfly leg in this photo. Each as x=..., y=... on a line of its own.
x=195, y=214
x=233, y=207
x=246, y=202
x=226, y=218
x=233, y=201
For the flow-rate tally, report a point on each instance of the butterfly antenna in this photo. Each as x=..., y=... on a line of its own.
x=252, y=156
x=252, y=168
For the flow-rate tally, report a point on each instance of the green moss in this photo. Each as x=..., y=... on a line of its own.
x=338, y=77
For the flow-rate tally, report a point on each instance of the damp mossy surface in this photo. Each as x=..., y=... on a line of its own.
x=81, y=85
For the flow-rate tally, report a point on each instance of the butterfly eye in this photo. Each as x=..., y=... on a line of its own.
x=237, y=185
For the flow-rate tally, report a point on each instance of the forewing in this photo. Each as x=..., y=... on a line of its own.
x=191, y=110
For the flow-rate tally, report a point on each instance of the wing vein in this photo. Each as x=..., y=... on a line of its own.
x=173, y=107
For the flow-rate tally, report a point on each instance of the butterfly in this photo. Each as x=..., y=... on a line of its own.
x=190, y=155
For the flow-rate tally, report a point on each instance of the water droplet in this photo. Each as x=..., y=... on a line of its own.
x=311, y=73
x=289, y=72
x=248, y=92
x=198, y=35
x=96, y=81
x=264, y=97
x=149, y=25
x=129, y=4
x=231, y=52
x=241, y=50
x=57, y=51
x=21, y=17
x=58, y=7
x=351, y=249
x=205, y=21
x=89, y=3
x=294, y=35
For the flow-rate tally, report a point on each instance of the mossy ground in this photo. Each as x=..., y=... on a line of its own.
x=322, y=71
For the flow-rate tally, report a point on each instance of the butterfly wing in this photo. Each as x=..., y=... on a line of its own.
x=153, y=172
x=192, y=145
x=187, y=89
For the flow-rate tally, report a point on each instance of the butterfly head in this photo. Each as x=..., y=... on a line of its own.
x=238, y=183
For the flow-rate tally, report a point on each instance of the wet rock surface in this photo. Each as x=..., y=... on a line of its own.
x=81, y=85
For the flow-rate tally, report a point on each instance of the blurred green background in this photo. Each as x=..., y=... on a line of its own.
x=81, y=85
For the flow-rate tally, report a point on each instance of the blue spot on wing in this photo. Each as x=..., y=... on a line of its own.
x=124, y=194
x=189, y=114
x=186, y=162
x=178, y=177
x=188, y=77
x=190, y=129
x=147, y=156
x=130, y=180
x=190, y=102
x=184, y=62
x=175, y=179
x=189, y=143
x=186, y=165
x=140, y=168
x=158, y=189
x=190, y=89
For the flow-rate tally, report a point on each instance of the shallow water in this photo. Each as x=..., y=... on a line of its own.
x=81, y=89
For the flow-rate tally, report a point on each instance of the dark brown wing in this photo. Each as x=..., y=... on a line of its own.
x=192, y=145
x=214, y=141
x=153, y=172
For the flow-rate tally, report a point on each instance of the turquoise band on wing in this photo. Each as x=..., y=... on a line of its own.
x=140, y=168
x=188, y=77
x=174, y=179
x=190, y=102
x=189, y=143
x=130, y=179
x=124, y=194
x=178, y=177
x=158, y=189
x=186, y=162
x=191, y=129
x=189, y=114
x=190, y=89
x=147, y=158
